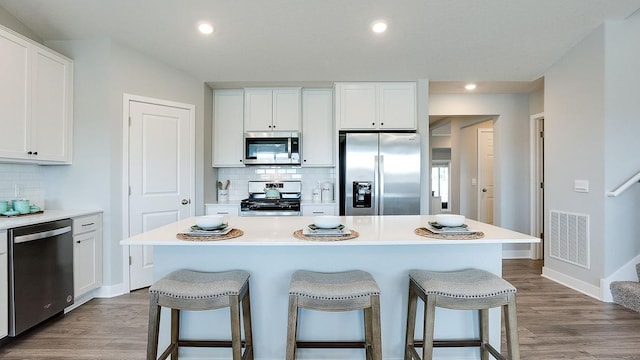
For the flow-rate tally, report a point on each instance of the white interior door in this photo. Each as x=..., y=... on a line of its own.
x=485, y=175
x=160, y=177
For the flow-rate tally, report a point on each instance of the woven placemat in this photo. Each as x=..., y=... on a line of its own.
x=298, y=235
x=234, y=233
x=428, y=233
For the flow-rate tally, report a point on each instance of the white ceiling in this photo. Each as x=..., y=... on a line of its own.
x=511, y=42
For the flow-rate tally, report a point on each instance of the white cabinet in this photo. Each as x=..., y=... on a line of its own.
x=36, y=101
x=318, y=209
x=228, y=114
x=222, y=209
x=87, y=254
x=272, y=109
x=317, y=127
x=4, y=285
x=376, y=106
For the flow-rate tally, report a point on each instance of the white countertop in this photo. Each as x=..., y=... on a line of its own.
x=373, y=230
x=47, y=215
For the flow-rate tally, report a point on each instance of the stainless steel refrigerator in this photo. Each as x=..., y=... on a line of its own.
x=379, y=174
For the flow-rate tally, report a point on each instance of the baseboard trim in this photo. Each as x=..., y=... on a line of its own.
x=572, y=283
x=109, y=291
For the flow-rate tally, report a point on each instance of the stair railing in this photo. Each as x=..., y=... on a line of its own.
x=627, y=184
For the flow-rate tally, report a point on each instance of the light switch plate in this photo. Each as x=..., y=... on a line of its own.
x=581, y=186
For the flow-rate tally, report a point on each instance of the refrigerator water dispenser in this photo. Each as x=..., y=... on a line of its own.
x=362, y=194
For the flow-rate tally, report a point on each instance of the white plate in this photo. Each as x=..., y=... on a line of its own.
x=340, y=231
x=219, y=232
x=460, y=230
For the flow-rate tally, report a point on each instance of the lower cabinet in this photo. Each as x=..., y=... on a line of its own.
x=318, y=209
x=4, y=285
x=87, y=254
x=222, y=209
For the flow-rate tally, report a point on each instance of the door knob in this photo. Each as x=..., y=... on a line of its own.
x=484, y=190
x=185, y=201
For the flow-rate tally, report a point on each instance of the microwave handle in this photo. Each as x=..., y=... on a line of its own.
x=289, y=146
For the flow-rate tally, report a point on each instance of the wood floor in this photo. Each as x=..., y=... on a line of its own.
x=554, y=323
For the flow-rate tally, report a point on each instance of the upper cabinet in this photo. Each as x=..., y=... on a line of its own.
x=376, y=106
x=317, y=127
x=228, y=150
x=272, y=109
x=36, y=100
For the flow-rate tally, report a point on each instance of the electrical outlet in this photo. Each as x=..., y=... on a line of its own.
x=19, y=190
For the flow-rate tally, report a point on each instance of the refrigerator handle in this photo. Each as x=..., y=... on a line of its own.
x=381, y=185
x=376, y=184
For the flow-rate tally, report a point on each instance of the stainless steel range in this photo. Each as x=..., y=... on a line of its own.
x=272, y=198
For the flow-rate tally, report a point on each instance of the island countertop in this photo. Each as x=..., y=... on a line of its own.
x=372, y=230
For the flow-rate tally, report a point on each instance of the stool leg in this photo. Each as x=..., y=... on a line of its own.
x=484, y=333
x=175, y=332
x=511, y=324
x=376, y=336
x=368, y=324
x=429, y=321
x=154, y=328
x=292, y=327
x=246, y=317
x=236, y=335
x=412, y=305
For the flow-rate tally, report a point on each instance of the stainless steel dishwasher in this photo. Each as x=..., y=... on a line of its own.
x=40, y=273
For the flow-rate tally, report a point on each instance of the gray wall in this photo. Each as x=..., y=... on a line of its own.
x=591, y=120
x=103, y=72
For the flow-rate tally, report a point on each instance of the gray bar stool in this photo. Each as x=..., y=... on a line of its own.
x=471, y=289
x=192, y=290
x=340, y=291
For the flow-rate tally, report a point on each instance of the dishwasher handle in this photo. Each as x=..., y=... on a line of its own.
x=41, y=235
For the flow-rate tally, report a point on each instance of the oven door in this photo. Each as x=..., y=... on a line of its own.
x=272, y=148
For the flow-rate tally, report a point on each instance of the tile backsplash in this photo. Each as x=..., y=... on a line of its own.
x=27, y=177
x=240, y=177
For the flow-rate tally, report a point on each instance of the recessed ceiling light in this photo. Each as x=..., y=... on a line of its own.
x=470, y=86
x=379, y=27
x=205, y=28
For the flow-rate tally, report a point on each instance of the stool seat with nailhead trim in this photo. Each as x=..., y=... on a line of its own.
x=338, y=291
x=470, y=289
x=193, y=290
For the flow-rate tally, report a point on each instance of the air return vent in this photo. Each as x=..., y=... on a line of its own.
x=569, y=237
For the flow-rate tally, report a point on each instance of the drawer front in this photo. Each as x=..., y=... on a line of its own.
x=3, y=242
x=231, y=210
x=86, y=223
x=314, y=210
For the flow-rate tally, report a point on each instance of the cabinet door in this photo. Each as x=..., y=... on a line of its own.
x=228, y=142
x=258, y=110
x=397, y=106
x=286, y=109
x=317, y=127
x=356, y=106
x=52, y=124
x=87, y=262
x=15, y=79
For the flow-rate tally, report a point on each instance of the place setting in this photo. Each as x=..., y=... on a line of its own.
x=448, y=226
x=210, y=228
x=325, y=228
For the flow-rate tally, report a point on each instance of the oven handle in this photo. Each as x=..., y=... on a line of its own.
x=41, y=235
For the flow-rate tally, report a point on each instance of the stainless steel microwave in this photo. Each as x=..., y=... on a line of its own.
x=272, y=147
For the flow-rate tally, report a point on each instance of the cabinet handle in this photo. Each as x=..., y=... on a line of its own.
x=381, y=124
x=35, y=153
x=88, y=224
x=373, y=123
x=222, y=212
x=29, y=152
x=317, y=212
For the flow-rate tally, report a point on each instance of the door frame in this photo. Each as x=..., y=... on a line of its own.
x=126, y=99
x=536, y=160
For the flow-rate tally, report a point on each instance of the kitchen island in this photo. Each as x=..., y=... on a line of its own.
x=387, y=247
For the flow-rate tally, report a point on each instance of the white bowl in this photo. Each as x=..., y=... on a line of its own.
x=450, y=219
x=326, y=221
x=210, y=221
